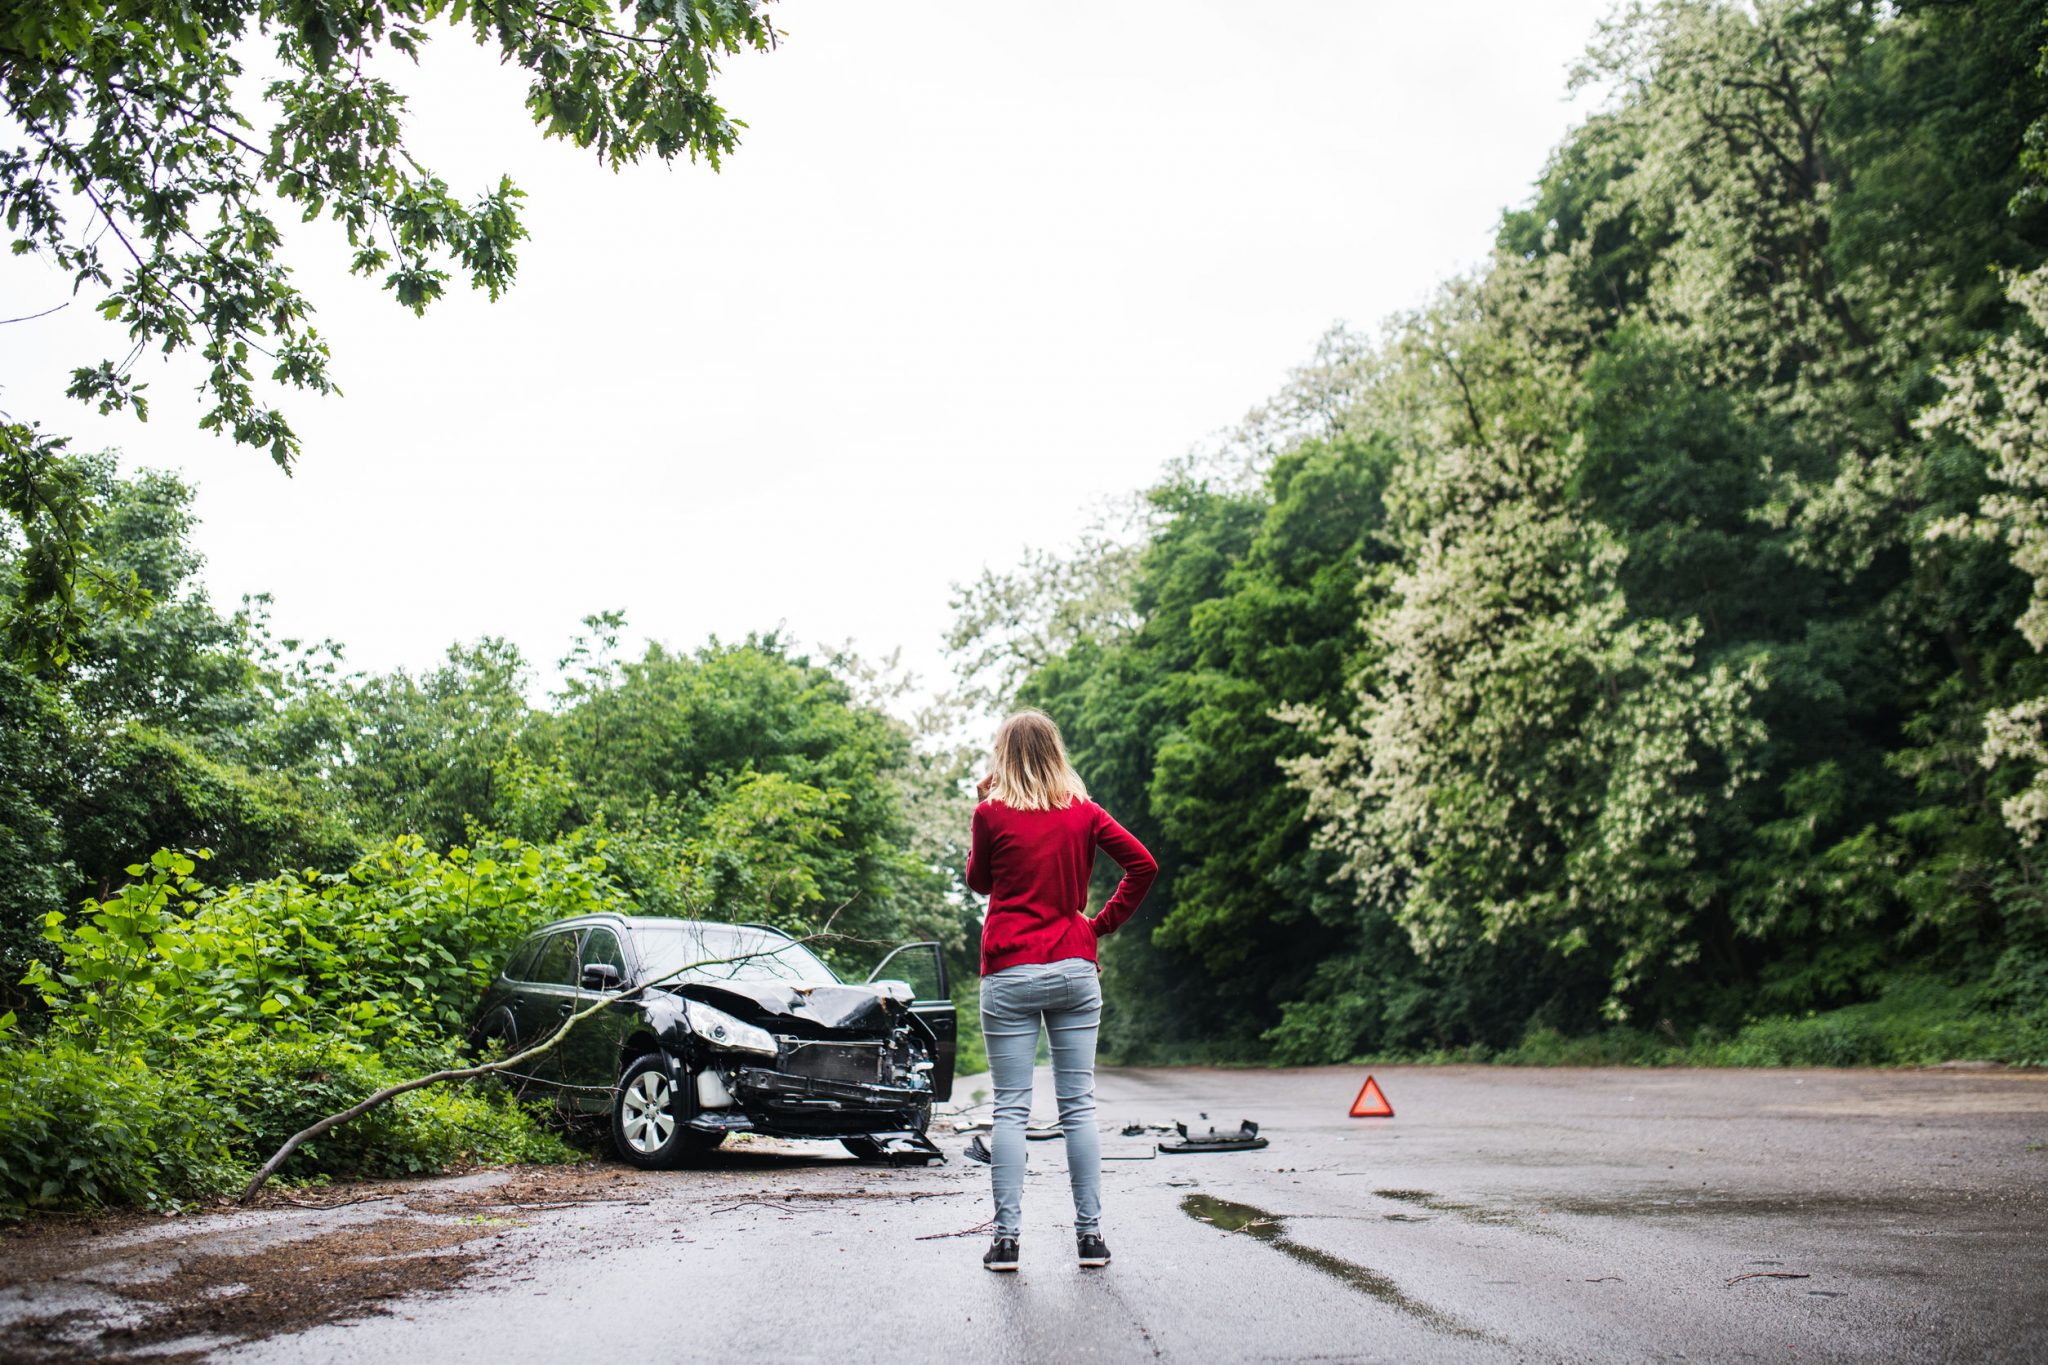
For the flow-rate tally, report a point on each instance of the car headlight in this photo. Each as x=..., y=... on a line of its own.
x=720, y=1029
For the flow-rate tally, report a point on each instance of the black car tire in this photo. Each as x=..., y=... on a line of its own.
x=649, y=1115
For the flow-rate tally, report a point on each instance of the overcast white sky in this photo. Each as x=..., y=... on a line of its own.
x=974, y=269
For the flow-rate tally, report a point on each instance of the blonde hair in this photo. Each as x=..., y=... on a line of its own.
x=1030, y=765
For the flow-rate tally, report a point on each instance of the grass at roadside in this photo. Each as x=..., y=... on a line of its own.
x=1917, y=1021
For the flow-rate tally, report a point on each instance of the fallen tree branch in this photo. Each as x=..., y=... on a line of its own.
x=975, y=1231
x=336, y=1204
x=464, y=1073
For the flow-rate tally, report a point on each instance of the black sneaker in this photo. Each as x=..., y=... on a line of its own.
x=1094, y=1251
x=1002, y=1255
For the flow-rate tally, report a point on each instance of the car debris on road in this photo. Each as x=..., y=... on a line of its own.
x=1245, y=1139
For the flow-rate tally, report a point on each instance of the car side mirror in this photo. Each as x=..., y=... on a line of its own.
x=600, y=976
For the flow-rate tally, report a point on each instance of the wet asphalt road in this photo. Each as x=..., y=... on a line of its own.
x=1502, y=1215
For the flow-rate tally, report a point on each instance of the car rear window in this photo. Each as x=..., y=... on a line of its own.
x=725, y=952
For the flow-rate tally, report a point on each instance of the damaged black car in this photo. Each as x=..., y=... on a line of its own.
x=744, y=1031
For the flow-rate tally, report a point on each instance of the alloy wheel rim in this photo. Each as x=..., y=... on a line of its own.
x=647, y=1121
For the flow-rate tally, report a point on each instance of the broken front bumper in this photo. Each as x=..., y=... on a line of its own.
x=776, y=1087
x=775, y=1102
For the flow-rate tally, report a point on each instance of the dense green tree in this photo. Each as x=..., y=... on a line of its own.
x=705, y=751
x=181, y=666
x=145, y=738
x=425, y=754
x=35, y=746
x=147, y=163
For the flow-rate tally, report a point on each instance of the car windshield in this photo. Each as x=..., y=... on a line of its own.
x=728, y=953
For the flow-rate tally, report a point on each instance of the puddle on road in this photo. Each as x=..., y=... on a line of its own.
x=1271, y=1228
x=1472, y=1213
x=1720, y=1204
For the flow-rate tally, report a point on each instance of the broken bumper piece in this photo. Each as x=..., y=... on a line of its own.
x=721, y=1121
x=908, y=1143
x=1245, y=1139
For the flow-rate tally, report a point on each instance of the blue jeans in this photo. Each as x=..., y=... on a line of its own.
x=1067, y=995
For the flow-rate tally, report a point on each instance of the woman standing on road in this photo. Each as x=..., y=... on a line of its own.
x=1034, y=839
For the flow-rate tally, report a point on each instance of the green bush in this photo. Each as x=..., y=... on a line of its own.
x=1918, y=1021
x=82, y=1129
x=191, y=1031
x=397, y=948
x=85, y=1129
x=1609, y=1047
x=276, y=1087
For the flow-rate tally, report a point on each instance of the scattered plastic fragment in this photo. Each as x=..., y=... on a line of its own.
x=1245, y=1139
x=977, y=1149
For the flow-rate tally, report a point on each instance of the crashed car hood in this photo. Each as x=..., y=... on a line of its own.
x=783, y=1004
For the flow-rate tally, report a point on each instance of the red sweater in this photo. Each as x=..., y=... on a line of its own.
x=1033, y=866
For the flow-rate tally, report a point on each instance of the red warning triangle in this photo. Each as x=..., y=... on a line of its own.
x=1371, y=1102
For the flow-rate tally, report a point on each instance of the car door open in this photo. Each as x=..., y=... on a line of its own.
x=922, y=967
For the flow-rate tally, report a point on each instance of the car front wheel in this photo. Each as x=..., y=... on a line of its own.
x=649, y=1118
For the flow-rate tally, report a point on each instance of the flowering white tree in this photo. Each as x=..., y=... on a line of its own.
x=1741, y=157
x=1522, y=753
x=1998, y=402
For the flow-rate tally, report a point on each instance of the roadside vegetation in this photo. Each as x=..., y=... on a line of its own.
x=1635, y=651
x=172, y=1016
